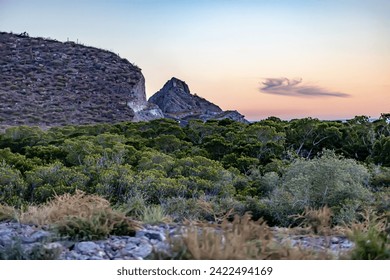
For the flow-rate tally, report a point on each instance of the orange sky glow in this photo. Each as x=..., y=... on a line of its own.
x=323, y=59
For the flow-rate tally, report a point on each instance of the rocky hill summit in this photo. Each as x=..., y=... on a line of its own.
x=45, y=82
x=176, y=102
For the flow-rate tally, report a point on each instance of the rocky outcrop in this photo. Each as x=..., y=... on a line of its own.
x=45, y=82
x=232, y=115
x=176, y=102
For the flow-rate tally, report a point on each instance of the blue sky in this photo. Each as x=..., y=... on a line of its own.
x=225, y=50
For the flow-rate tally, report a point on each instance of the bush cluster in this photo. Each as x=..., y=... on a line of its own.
x=272, y=168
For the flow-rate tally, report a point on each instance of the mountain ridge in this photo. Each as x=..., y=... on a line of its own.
x=45, y=82
x=177, y=102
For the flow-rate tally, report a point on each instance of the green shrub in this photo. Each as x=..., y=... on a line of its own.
x=381, y=151
x=114, y=182
x=380, y=179
x=180, y=208
x=46, y=181
x=12, y=186
x=258, y=209
x=76, y=149
x=371, y=238
x=7, y=213
x=154, y=214
x=329, y=180
x=263, y=185
x=155, y=186
x=154, y=160
x=47, y=154
x=206, y=176
x=17, y=160
x=18, y=137
x=134, y=206
x=93, y=226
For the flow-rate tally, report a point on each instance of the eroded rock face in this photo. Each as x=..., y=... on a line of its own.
x=176, y=102
x=48, y=83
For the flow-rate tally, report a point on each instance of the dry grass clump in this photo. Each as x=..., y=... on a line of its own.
x=218, y=215
x=317, y=221
x=7, y=213
x=154, y=214
x=241, y=239
x=80, y=216
x=371, y=236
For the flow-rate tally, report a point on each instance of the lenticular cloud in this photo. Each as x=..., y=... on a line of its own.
x=295, y=87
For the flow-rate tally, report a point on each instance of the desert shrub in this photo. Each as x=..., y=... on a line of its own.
x=216, y=209
x=380, y=179
x=381, y=151
x=76, y=149
x=155, y=186
x=318, y=221
x=154, y=160
x=46, y=181
x=263, y=185
x=12, y=186
x=327, y=180
x=17, y=160
x=382, y=201
x=206, y=176
x=371, y=237
x=347, y=211
x=47, y=154
x=114, y=182
x=7, y=213
x=180, y=208
x=154, y=214
x=134, y=205
x=203, y=208
x=258, y=209
x=80, y=217
x=169, y=144
x=242, y=163
x=19, y=137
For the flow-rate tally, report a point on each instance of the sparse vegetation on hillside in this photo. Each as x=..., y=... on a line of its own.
x=48, y=83
x=205, y=172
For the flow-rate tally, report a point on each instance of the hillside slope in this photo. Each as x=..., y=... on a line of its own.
x=48, y=83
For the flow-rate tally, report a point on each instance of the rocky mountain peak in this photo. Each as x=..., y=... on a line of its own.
x=177, y=85
x=176, y=102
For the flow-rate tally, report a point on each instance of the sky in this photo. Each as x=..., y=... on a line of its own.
x=326, y=59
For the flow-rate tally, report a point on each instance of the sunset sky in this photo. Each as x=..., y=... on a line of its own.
x=327, y=59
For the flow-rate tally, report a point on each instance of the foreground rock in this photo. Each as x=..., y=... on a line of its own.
x=176, y=102
x=19, y=241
